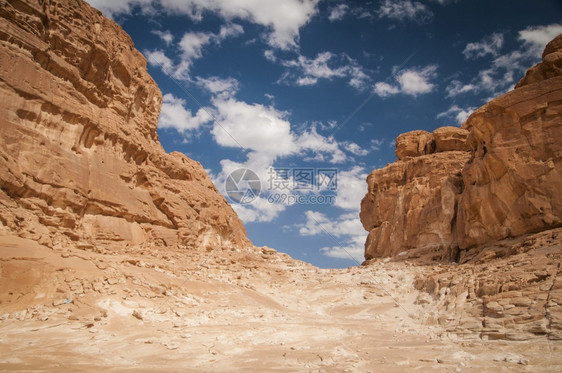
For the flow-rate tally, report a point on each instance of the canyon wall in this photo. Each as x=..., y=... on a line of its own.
x=80, y=156
x=498, y=176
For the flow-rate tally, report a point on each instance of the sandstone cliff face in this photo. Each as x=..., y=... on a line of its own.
x=454, y=190
x=411, y=204
x=78, y=147
x=514, y=178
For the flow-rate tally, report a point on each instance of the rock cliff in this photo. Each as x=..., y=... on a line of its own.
x=499, y=176
x=80, y=156
x=486, y=197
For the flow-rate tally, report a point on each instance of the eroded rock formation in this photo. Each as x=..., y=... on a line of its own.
x=412, y=203
x=457, y=189
x=80, y=157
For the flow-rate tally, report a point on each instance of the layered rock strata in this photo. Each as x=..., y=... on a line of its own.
x=80, y=156
x=457, y=189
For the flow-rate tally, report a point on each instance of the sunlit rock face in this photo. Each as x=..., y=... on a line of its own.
x=411, y=204
x=80, y=156
x=456, y=189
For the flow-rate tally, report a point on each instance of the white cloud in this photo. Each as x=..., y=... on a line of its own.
x=413, y=82
x=283, y=19
x=384, y=89
x=346, y=230
x=338, y=12
x=112, y=8
x=305, y=71
x=489, y=45
x=266, y=135
x=352, y=186
x=306, y=80
x=445, y=2
x=352, y=248
x=260, y=210
x=504, y=69
x=221, y=88
x=191, y=46
x=376, y=144
x=319, y=145
x=460, y=115
x=456, y=88
x=192, y=43
x=253, y=126
x=157, y=58
x=355, y=149
x=537, y=37
x=230, y=30
x=166, y=36
x=269, y=55
x=403, y=10
x=175, y=115
x=358, y=79
x=317, y=67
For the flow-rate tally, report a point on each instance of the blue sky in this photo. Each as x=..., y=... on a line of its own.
x=311, y=94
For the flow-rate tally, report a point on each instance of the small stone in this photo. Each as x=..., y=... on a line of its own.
x=137, y=315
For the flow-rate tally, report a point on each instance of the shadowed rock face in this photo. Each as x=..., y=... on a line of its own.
x=457, y=189
x=80, y=156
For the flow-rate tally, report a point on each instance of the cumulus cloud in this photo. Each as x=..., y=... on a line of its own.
x=405, y=10
x=174, y=115
x=489, y=45
x=260, y=210
x=445, y=2
x=322, y=148
x=456, y=88
x=112, y=8
x=218, y=87
x=304, y=71
x=338, y=12
x=376, y=144
x=416, y=81
x=317, y=67
x=253, y=126
x=537, y=37
x=165, y=36
x=384, y=89
x=504, y=69
x=346, y=230
x=351, y=248
x=266, y=135
x=355, y=149
x=459, y=115
x=351, y=188
x=157, y=58
x=413, y=82
x=282, y=19
x=191, y=46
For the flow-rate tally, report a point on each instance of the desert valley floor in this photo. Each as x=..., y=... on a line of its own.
x=80, y=309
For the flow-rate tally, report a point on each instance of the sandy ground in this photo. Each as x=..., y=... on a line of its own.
x=132, y=309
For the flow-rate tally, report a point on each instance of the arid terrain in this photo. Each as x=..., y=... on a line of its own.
x=116, y=256
x=231, y=309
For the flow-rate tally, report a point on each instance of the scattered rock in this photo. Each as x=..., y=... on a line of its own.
x=512, y=358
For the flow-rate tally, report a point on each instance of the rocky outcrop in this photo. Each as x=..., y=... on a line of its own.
x=411, y=205
x=511, y=290
x=80, y=156
x=513, y=180
x=455, y=190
